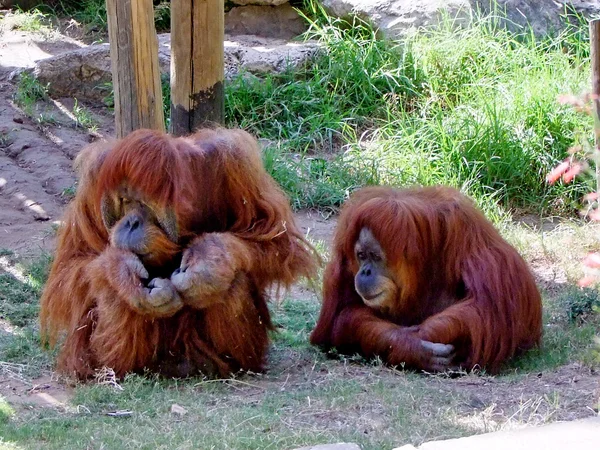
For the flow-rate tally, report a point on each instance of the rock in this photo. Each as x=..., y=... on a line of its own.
x=85, y=73
x=281, y=22
x=544, y=16
x=579, y=434
x=260, y=56
x=341, y=446
x=395, y=18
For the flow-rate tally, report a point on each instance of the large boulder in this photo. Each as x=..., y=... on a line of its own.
x=85, y=73
x=395, y=18
x=544, y=16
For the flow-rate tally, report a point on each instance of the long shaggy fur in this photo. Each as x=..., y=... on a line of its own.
x=215, y=182
x=459, y=281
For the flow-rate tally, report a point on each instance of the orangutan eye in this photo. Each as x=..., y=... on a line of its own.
x=375, y=257
x=361, y=256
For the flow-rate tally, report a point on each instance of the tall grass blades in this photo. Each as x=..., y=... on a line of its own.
x=472, y=107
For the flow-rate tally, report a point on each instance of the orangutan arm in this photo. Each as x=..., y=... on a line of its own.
x=347, y=323
x=102, y=305
x=122, y=274
x=358, y=327
x=212, y=261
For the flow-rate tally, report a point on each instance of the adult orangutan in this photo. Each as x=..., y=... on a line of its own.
x=166, y=254
x=420, y=278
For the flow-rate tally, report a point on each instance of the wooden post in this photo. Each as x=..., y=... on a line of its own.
x=595, y=60
x=135, y=70
x=197, y=67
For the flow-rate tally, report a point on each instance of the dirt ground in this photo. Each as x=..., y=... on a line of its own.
x=36, y=181
x=36, y=155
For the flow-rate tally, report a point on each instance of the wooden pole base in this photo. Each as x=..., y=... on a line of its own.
x=197, y=64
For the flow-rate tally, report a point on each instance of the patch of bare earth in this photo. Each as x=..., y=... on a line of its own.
x=43, y=392
x=567, y=393
x=36, y=153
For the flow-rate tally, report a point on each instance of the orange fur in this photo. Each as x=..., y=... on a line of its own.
x=215, y=183
x=459, y=282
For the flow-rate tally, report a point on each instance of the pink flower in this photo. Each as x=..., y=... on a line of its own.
x=592, y=260
x=575, y=169
x=586, y=281
x=594, y=215
x=569, y=99
x=557, y=172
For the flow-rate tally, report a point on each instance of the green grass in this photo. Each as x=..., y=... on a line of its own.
x=475, y=108
x=20, y=289
x=69, y=192
x=34, y=21
x=319, y=180
x=83, y=117
x=32, y=97
x=563, y=342
x=237, y=416
x=304, y=398
x=29, y=91
x=92, y=13
x=162, y=15
x=19, y=293
x=5, y=140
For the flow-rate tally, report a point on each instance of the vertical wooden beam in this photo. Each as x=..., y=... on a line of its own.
x=135, y=69
x=595, y=60
x=197, y=64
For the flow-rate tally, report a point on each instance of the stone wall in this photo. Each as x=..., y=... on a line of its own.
x=394, y=18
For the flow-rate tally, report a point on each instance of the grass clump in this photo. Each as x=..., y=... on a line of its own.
x=563, y=342
x=29, y=91
x=474, y=108
x=20, y=289
x=92, y=13
x=320, y=181
x=34, y=21
x=333, y=99
x=6, y=412
x=580, y=304
x=83, y=117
